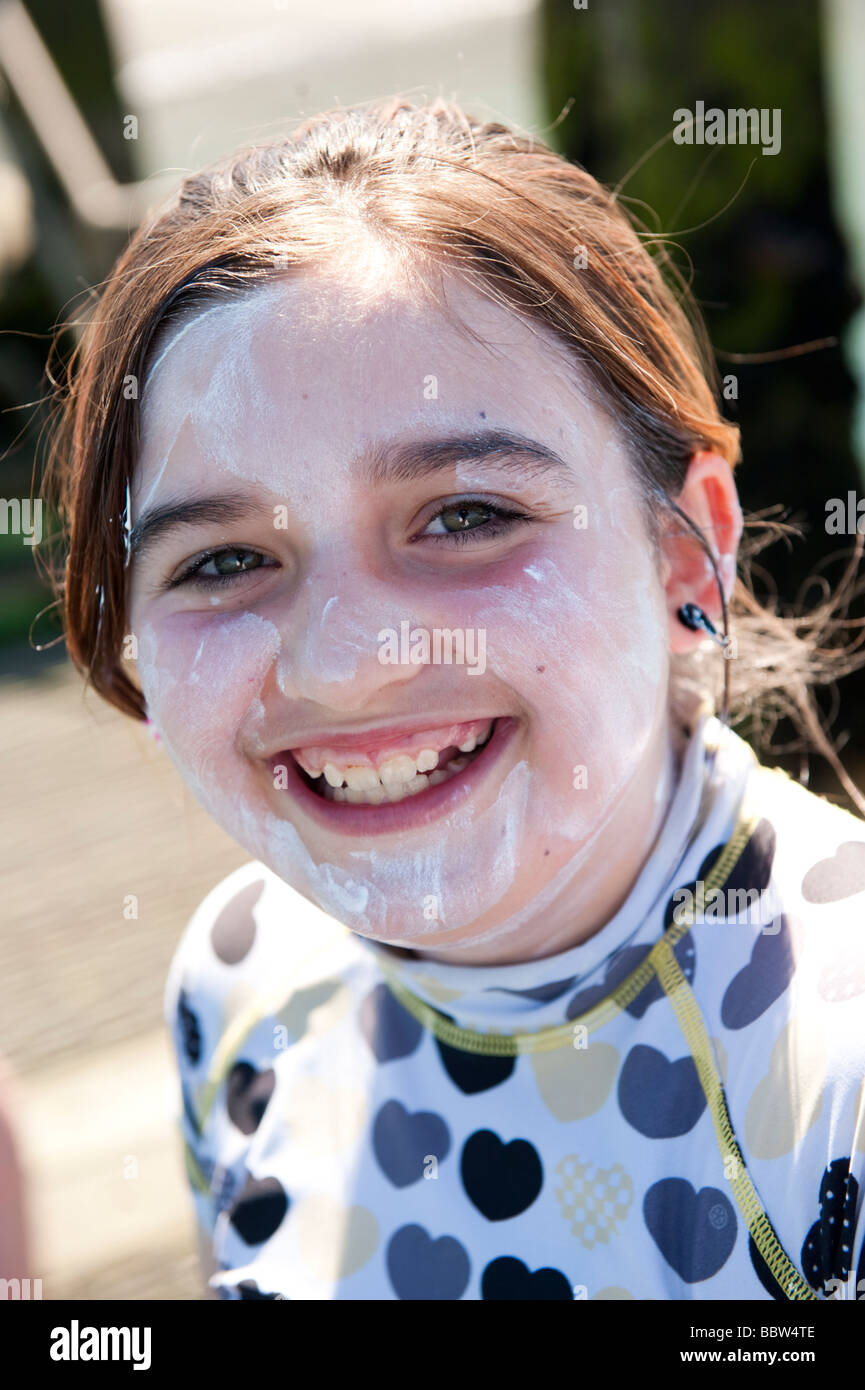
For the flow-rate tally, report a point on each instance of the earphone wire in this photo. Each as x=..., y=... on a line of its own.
x=724, y=714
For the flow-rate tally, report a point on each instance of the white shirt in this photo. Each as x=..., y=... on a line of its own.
x=667, y=1111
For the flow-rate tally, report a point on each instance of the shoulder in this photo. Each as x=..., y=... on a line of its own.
x=799, y=882
x=249, y=944
x=257, y=968
x=813, y=851
x=780, y=964
x=810, y=851
x=808, y=819
x=781, y=976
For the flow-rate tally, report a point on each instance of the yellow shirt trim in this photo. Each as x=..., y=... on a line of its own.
x=687, y=1011
x=661, y=963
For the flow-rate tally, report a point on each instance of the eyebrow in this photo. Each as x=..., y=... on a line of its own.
x=397, y=463
x=381, y=464
x=172, y=516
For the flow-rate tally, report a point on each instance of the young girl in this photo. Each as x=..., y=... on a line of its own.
x=401, y=506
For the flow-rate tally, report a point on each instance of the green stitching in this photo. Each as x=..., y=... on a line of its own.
x=562, y=1034
x=690, y=1019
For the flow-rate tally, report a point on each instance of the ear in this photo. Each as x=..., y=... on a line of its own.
x=710, y=499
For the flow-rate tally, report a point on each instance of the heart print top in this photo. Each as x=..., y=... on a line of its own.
x=674, y=1109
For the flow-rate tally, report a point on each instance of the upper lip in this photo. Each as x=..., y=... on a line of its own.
x=377, y=736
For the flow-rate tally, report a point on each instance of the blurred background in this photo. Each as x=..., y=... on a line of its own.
x=103, y=108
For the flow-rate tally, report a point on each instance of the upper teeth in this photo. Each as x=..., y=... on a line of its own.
x=391, y=772
x=400, y=771
x=360, y=778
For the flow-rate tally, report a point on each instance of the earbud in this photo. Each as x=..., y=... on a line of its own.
x=693, y=617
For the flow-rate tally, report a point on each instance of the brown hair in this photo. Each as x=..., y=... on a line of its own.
x=508, y=213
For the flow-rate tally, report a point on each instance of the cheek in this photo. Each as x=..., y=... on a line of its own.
x=584, y=650
x=577, y=643
x=202, y=676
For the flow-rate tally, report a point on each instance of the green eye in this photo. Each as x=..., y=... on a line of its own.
x=464, y=516
x=471, y=519
x=220, y=567
x=235, y=561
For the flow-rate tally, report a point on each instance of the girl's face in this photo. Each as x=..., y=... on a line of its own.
x=365, y=542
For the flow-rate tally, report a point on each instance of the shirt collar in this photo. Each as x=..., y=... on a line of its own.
x=535, y=994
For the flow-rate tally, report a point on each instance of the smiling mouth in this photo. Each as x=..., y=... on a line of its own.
x=395, y=778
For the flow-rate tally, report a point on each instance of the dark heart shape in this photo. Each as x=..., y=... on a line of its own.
x=658, y=1097
x=694, y=1231
x=677, y=904
x=501, y=1180
x=508, y=1278
x=471, y=1071
x=402, y=1141
x=622, y=964
x=390, y=1029
x=763, y=980
x=190, y=1029
x=830, y=880
x=248, y=1289
x=259, y=1209
x=749, y=876
x=827, y=1251
x=247, y=1094
x=753, y=869
x=420, y=1267
x=233, y=932
x=685, y=953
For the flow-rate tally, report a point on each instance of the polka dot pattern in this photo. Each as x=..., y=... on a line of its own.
x=827, y=1251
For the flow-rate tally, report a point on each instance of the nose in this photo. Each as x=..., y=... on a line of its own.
x=331, y=638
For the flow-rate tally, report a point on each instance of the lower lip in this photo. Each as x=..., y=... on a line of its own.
x=412, y=813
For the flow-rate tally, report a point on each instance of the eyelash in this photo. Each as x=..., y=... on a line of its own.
x=505, y=519
x=214, y=581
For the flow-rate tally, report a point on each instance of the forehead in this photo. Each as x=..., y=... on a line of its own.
x=320, y=363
